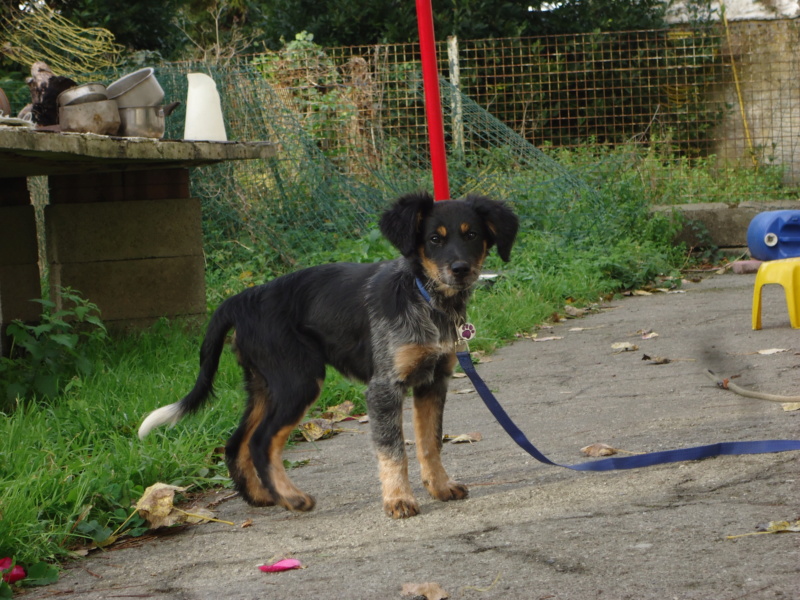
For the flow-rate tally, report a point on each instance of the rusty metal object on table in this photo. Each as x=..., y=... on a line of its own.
x=90, y=117
x=139, y=88
x=144, y=121
x=87, y=92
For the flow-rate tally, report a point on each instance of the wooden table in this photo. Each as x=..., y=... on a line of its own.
x=120, y=225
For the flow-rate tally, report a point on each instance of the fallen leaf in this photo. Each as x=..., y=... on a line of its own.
x=624, y=347
x=464, y=438
x=552, y=338
x=771, y=527
x=649, y=335
x=287, y=564
x=340, y=412
x=599, y=449
x=155, y=505
x=790, y=406
x=458, y=375
x=641, y=293
x=317, y=429
x=770, y=351
x=574, y=312
x=657, y=360
x=464, y=391
x=429, y=591
x=364, y=419
x=247, y=523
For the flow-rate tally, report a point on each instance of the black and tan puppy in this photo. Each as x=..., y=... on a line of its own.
x=373, y=324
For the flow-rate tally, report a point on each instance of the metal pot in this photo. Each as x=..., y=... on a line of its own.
x=90, y=117
x=144, y=121
x=136, y=89
x=87, y=92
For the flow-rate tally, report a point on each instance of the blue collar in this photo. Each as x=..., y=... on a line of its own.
x=423, y=291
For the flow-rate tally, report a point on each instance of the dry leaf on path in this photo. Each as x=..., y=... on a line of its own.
x=624, y=347
x=156, y=505
x=599, y=449
x=340, y=412
x=157, y=508
x=551, y=338
x=464, y=438
x=571, y=311
x=790, y=406
x=657, y=360
x=771, y=351
x=771, y=527
x=429, y=591
x=317, y=429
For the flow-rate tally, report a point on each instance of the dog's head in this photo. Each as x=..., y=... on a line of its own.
x=448, y=241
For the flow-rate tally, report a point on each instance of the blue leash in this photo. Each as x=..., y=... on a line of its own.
x=607, y=464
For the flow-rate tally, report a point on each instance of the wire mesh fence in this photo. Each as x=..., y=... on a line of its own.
x=690, y=115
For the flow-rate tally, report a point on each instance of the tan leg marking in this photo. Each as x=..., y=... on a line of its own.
x=259, y=495
x=427, y=414
x=398, y=499
x=289, y=495
x=409, y=356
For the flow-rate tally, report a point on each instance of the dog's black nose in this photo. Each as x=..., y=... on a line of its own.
x=460, y=268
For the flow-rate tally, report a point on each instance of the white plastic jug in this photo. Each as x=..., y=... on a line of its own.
x=203, y=110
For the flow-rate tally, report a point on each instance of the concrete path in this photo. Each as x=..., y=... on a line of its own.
x=531, y=531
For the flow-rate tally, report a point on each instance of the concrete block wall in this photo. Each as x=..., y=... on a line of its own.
x=129, y=242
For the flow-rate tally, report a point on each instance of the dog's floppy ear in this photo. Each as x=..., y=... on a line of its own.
x=400, y=223
x=500, y=220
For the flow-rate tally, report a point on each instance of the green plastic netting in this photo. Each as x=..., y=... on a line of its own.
x=338, y=166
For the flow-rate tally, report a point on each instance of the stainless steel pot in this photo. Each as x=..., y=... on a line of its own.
x=144, y=121
x=90, y=117
x=87, y=92
x=136, y=89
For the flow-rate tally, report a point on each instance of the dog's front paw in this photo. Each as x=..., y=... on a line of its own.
x=451, y=490
x=401, y=508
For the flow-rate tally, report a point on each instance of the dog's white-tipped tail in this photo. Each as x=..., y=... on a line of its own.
x=166, y=414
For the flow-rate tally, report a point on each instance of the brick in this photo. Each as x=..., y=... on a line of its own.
x=78, y=233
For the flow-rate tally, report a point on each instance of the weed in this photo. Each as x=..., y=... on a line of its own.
x=45, y=355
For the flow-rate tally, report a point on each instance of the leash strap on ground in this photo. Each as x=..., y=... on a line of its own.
x=617, y=463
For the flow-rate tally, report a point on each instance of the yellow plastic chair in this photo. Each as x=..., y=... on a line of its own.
x=785, y=272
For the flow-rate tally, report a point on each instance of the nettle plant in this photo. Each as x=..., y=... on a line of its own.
x=45, y=357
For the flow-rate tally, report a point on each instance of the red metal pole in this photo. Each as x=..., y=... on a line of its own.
x=433, y=101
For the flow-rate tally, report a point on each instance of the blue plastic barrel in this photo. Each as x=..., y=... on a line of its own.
x=774, y=234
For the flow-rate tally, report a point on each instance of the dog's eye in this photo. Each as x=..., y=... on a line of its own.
x=436, y=239
x=470, y=235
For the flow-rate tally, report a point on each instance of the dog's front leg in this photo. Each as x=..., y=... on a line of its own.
x=429, y=402
x=385, y=403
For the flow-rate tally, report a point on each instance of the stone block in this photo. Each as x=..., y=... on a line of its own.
x=14, y=192
x=123, y=186
x=111, y=231
x=18, y=245
x=719, y=224
x=137, y=289
x=19, y=286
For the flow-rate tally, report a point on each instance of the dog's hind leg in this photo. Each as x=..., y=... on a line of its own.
x=291, y=397
x=237, y=451
x=385, y=401
x=429, y=400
